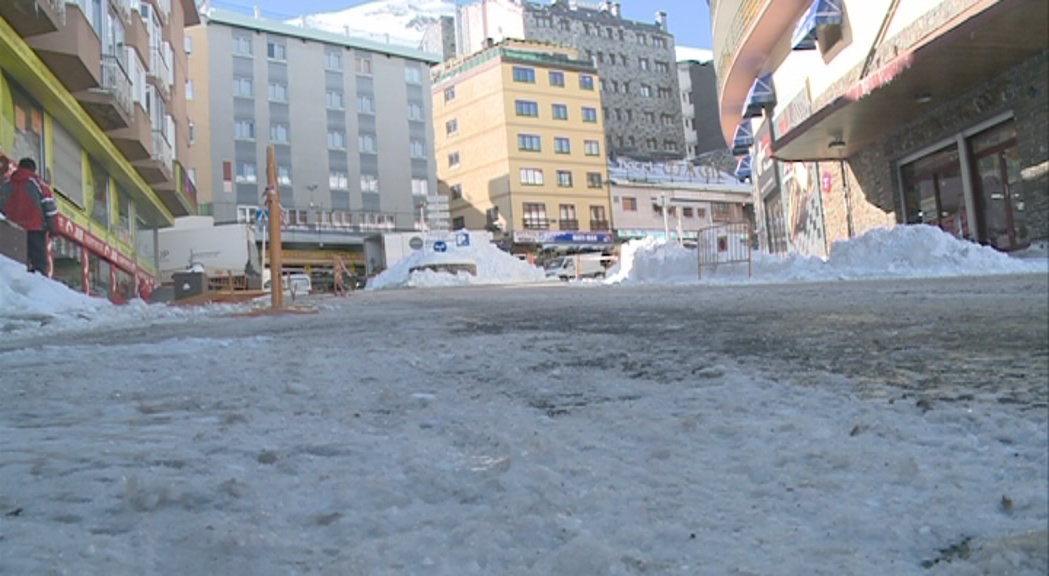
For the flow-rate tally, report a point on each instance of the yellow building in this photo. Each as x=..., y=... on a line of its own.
x=519, y=139
x=94, y=91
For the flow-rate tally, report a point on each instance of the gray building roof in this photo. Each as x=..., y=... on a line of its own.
x=238, y=20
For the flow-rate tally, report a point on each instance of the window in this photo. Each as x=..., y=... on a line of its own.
x=559, y=111
x=526, y=108
x=622, y=57
x=244, y=130
x=242, y=45
x=333, y=60
x=456, y=191
x=721, y=211
x=412, y=75
x=245, y=173
x=564, y=178
x=659, y=41
x=534, y=216
x=611, y=58
x=187, y=45
x=642, y=39
x=651, y=143
x=568, y=217
x=666, y=119
x=189, y=89
x=365, y=104
x=598, y=218
x=564, y=24
x=362, y=65
x=600, y=57
x=336, y=140
x=592, y=148
x=366, y=142
x=278, y=92
x=686, y=212
x=593, y=180
x=283, y=175
x=531, y=176
x=420, y=187
x=662, y=66
x=338, y=180
x=276, y=51
x=334, y=99
x=589, y=114
x=664, y=92
x=415, y=111
x=529, y=142
x=626, y=88
x=242, y=87
x=416, y=149
x=669, y=146
x=562, y=145
x=586, y=82
x=522, y=74
x=192, y=132
x=459, y=223
x=646, y=90
x=279, y=133
x=453, y=159
x=629, y=204
x=557, y=78
x=650, y=117
x=369, y=183
x=642, y=63
x=451, y=127
x=449, y=94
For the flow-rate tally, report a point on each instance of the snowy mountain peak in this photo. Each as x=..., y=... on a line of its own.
x=397, y=21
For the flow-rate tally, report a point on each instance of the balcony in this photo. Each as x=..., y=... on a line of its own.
x=73, y=53
x=158, y=169
x=600, y=226
x=136, y=35
x=160, y=72
x=135, y=141
x=109, y=104
x=569, y=225
x=33, y=17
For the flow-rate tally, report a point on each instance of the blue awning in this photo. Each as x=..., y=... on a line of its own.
x=743, y=140
x=820, y=13
x=743, y=169
x=762, y=94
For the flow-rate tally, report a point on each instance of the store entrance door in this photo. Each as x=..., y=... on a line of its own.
x=998, y=189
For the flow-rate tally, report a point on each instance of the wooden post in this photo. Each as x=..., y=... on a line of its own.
x=273, y=205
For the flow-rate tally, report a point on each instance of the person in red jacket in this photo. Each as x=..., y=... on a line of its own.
x=27, y=201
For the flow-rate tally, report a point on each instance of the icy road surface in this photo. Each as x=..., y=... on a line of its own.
x=866, y=428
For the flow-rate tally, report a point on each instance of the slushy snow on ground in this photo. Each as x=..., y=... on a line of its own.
x=900, y=252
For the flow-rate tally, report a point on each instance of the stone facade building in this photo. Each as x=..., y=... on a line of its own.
x=635, y=60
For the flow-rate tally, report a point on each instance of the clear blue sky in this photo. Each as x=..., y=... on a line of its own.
x=689, y=19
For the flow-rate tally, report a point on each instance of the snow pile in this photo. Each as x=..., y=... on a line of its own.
x=493, y=267
x=901, y=252
x=33, y=302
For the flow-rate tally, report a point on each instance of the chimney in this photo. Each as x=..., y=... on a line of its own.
x=615, y=9
x=258, y=13
x=573, y=4
x=661, y=20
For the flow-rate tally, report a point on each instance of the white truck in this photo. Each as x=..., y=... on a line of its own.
x=196, y=243
x=578, y=266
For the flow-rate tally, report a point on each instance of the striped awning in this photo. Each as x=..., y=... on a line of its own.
x=743, y=139
x=762, y=95
x=743, y=168
x=820, y=13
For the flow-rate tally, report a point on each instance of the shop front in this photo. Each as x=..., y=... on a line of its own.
x=88, y=264
x=970, y=186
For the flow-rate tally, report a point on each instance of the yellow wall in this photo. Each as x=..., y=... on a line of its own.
x=199, y=152
x=487, y=141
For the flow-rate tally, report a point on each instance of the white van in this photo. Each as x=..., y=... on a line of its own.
x=295, y=283
x=577, y=266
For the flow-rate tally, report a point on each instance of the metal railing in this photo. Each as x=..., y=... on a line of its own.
x=599, y=226
x=59, y=6
x=115, y=81
x=569, y=224
x=162, y=149
x=160, y=68
x=723, y=245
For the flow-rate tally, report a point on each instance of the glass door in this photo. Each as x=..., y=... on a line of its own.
x=999, y=190
x=934, y=194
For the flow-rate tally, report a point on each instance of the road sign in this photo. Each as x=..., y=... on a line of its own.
x=462, y=239
x=440, y=246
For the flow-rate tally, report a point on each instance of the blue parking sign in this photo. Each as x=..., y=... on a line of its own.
x=462, y=239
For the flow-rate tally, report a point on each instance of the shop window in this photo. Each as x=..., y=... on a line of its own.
x=933, y=192
x=100, y=195
x=124, y=216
